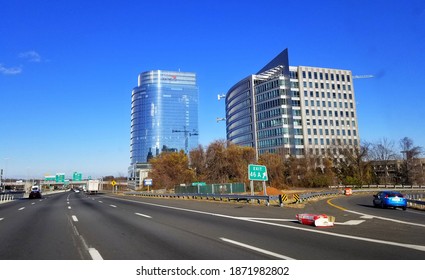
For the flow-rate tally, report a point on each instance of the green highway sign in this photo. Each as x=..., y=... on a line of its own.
x=257, y=173
x=76, y=176
x=60, y=177
x=49, y=178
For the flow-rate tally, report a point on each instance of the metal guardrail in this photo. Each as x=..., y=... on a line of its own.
x=306, y=196
x=379, y=187
x=6, y=197
x=10, y=196
x=230, y=197
x=301, y=197
x=419, y=202
x=16, y=195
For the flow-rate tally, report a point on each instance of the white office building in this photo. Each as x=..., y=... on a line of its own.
x=293, y=110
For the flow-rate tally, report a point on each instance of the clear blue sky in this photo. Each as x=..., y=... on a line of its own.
x=67, y=68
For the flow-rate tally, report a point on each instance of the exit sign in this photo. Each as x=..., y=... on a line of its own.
x=257, y=173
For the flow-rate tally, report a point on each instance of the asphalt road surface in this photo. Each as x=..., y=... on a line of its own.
x=75, y=226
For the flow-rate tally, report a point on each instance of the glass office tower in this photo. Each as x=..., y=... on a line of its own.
x=293, y=110
x=164, y=115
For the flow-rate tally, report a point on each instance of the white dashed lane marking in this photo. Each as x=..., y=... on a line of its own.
x=143, y=215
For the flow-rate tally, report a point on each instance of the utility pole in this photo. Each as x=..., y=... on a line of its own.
x=187, y=133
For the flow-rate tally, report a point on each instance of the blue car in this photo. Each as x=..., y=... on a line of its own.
x=386, y=199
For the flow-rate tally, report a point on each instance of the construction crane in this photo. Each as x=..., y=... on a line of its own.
x=363, y=76
x=187, y=133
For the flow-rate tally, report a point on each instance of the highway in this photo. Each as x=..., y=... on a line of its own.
x=76, y=226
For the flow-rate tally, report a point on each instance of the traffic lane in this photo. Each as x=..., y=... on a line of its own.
x=362, y=203
x=117, y=234
x=346, y=223
x=354, y=217
x=243, y=209
x=300, y=241
x=40, y=231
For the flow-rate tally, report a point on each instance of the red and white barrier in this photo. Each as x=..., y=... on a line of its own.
x=321, y=220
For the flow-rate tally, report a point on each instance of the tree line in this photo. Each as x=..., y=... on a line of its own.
x=224, y=162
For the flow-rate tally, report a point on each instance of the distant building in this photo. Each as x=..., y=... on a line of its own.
x=294, y=111
x=399, y=171
x=164, y=117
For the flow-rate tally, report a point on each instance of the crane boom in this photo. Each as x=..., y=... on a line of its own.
x=363, y=76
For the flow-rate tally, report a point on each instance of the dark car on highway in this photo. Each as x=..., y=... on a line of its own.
x=35, y=192
x=385, y=199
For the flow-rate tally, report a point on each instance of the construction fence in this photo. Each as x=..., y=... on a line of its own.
x=225, y=188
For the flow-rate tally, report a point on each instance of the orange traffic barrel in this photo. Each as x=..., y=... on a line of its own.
x=348, y=191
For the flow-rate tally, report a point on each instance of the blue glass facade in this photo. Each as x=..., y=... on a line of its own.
x=164, y=114
x=258, y=109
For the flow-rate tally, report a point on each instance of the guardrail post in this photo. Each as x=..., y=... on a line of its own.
x=280, y=200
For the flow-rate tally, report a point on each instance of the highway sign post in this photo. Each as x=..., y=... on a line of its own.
x=114, y=183
x=257, y=173
x=147, y=182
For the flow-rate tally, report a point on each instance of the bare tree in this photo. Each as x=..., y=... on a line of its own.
x=382, y=153
x=238, y=159
x=411, y=170
x=275, y=169
x=383, y=150
x=170, y=169
x=216, y=162
x=354, y=168
x=198, y=162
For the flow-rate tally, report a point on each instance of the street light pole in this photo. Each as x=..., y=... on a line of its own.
x=187, y=133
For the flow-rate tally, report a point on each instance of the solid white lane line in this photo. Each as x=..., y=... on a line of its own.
x=95, y=255
x=22, y=208
x=143, y=215
x=113, y=206
x=351, y=222
x=74, y=218
x=385, y=219
x=270, y=219
x=1, y=219
x=266, y=252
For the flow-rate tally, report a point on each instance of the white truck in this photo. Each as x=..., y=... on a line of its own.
x=93, y=186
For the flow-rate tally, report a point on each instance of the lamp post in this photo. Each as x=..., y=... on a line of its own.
x=187, y=133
